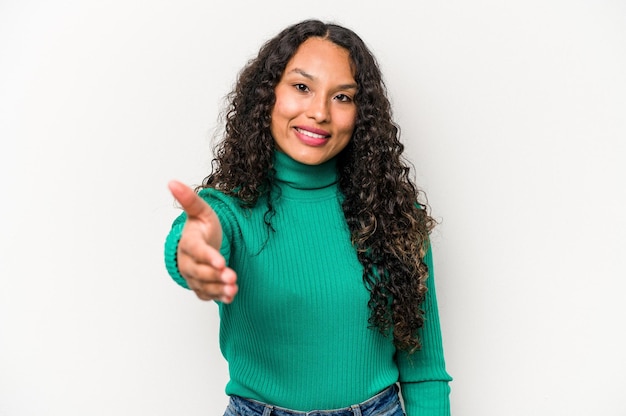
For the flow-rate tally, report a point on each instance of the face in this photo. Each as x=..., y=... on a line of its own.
x=314, y=114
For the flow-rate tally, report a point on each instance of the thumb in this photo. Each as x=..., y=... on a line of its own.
x=194, y=206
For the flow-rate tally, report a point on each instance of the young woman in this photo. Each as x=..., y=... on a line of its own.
x=313, y=240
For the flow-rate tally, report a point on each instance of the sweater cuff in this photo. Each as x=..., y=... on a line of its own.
x=426, y=398
x=171, y=246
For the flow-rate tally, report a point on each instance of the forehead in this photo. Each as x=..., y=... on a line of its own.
x=322, y=55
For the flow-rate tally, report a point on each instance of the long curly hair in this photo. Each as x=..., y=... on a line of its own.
x=387, y=214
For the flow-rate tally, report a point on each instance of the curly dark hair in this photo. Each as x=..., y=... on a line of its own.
x=388, y=225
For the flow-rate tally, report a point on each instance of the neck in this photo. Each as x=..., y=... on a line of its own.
x=293, y=176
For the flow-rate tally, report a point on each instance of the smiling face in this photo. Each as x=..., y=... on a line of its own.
x=314, y=114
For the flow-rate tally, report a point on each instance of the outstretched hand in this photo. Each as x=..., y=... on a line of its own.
x=198, y=258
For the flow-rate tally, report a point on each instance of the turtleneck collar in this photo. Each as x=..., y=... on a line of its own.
x=298, y=179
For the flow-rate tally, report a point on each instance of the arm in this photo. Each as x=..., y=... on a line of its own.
x=424, y=380
x=192, y=254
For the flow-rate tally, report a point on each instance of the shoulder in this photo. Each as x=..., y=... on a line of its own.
x=212, y=195
x=227, y=207
x=231, y=210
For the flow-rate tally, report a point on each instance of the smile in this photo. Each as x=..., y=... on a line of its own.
x=311, y=139
x=311, y=134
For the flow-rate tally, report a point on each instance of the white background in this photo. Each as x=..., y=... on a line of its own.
x=514, y=114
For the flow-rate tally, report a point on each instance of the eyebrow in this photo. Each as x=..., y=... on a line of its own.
x=312, y=78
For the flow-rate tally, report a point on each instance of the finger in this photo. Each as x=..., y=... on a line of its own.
x=229, y=277
x=203, y=273
x=200, y=254
x=224, y=292
x=229, y=293
x=208, y=291
x=193, y=205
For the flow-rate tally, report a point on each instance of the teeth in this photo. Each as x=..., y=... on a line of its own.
x=310, y=134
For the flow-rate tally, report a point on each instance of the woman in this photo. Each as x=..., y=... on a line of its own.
x=309, y=235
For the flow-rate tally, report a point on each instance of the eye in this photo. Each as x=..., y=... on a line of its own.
x=343, y=98
x=301, y=87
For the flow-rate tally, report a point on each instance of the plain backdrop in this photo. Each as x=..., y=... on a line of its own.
x=513, y=113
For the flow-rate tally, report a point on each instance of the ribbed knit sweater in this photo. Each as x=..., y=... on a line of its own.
x=297, y=335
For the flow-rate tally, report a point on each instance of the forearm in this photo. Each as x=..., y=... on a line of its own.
x=426, y=398
x=423, y=376
x=171, y=247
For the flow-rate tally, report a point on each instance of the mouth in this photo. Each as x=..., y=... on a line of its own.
x=311, y=138
x=312, y=134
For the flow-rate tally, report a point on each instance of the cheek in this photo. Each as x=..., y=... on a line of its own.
x=284, y=107
x=347, y=123
x=278, y=118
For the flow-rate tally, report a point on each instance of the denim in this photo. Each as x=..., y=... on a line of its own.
x=385, y=403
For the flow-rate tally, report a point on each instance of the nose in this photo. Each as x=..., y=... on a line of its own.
x=318, y=108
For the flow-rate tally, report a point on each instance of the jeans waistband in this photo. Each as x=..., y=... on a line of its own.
x=366, y=408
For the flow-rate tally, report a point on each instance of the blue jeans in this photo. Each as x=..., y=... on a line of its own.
x=385, y=403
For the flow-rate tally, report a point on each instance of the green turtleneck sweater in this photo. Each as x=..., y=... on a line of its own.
x=297, y=334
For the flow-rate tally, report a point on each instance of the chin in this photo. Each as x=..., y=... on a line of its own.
x=310, y=159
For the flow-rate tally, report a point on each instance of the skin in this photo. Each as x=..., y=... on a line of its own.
x=198, y=257
x=312, y=121
x=315, y=97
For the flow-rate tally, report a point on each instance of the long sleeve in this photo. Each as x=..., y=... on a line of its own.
x=423, y=377
x=301, y=285
x=171, y=245
x=173, y=237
